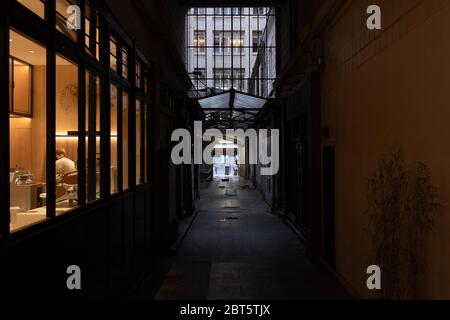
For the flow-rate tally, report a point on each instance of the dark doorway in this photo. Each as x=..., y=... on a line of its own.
x=328, y=204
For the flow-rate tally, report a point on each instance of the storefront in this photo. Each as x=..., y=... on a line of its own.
x=76, y=133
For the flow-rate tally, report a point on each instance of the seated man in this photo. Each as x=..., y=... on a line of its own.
x=63, y=165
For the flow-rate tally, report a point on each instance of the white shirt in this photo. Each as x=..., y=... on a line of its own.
x=64, y=166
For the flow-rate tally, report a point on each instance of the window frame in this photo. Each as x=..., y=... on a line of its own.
x=16, y=16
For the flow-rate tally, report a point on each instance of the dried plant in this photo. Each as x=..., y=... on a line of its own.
x=402, y=207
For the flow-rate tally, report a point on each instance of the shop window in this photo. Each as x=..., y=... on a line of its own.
x=37, y=6
x=125, y=140
x=62, y=17
x=113, y=132
x=28, y=135
x=92, y=137
x=138, y=140
x=67, y=163
x=113, y=53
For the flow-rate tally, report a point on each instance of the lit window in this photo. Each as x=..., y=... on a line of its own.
x=92, y=32
x=124, y=63
x=228, y=41
x=199, y=41
x=61, y=19
x=113, y=53
x=37, y=6
x=27, y=131
x=67, y=163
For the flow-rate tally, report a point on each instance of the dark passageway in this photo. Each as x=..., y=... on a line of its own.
x=236, y=249
x=121, y=120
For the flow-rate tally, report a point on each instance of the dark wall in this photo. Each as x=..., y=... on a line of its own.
x=111, y=243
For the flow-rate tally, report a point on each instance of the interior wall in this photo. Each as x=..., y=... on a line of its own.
x=381, y=89
x=27, y=135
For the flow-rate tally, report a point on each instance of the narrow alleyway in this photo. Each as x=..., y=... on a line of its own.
x=236, y=249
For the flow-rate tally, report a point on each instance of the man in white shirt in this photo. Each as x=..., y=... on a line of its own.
x=63, y=165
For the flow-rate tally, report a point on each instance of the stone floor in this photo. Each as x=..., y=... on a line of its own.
x=236, y=249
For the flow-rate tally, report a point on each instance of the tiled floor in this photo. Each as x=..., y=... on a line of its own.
x=237, y=249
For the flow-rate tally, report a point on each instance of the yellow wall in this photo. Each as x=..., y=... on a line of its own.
x=381, y=89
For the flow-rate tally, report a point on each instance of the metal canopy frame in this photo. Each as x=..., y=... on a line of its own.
x=231, y=109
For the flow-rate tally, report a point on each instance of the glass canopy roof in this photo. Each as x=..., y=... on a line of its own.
x=231, y=109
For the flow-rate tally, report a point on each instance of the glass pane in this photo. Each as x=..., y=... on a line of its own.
x=62, y=18
x=114, y=151
x=125, y=63
x=37, y=6
x=125, y=135
x=28, y=139
x=93, y=137
x=92, y=32
x=22, y=89
x=66, y=135
x=138, y=141
x=113, y=53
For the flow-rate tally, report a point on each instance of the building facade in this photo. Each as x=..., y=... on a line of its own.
x=223, y=45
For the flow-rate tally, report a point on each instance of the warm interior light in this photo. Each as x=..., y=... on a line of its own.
x=31, y=51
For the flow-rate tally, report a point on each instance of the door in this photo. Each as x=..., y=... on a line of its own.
x=328, y=204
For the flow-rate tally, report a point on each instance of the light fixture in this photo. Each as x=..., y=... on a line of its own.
x=10, y=40
x=31, y=51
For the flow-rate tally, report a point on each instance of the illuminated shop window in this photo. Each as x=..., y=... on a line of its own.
x=67, y=163
x=27, y=121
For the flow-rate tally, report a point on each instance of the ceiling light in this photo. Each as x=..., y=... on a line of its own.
x=31, y=51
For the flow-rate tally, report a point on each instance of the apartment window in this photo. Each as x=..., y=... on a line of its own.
x=27, y=132
x=227, y=78
x=199, y=41
x=256, y=40
x=114, y=138
x=37, y=6
x=229, y=41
